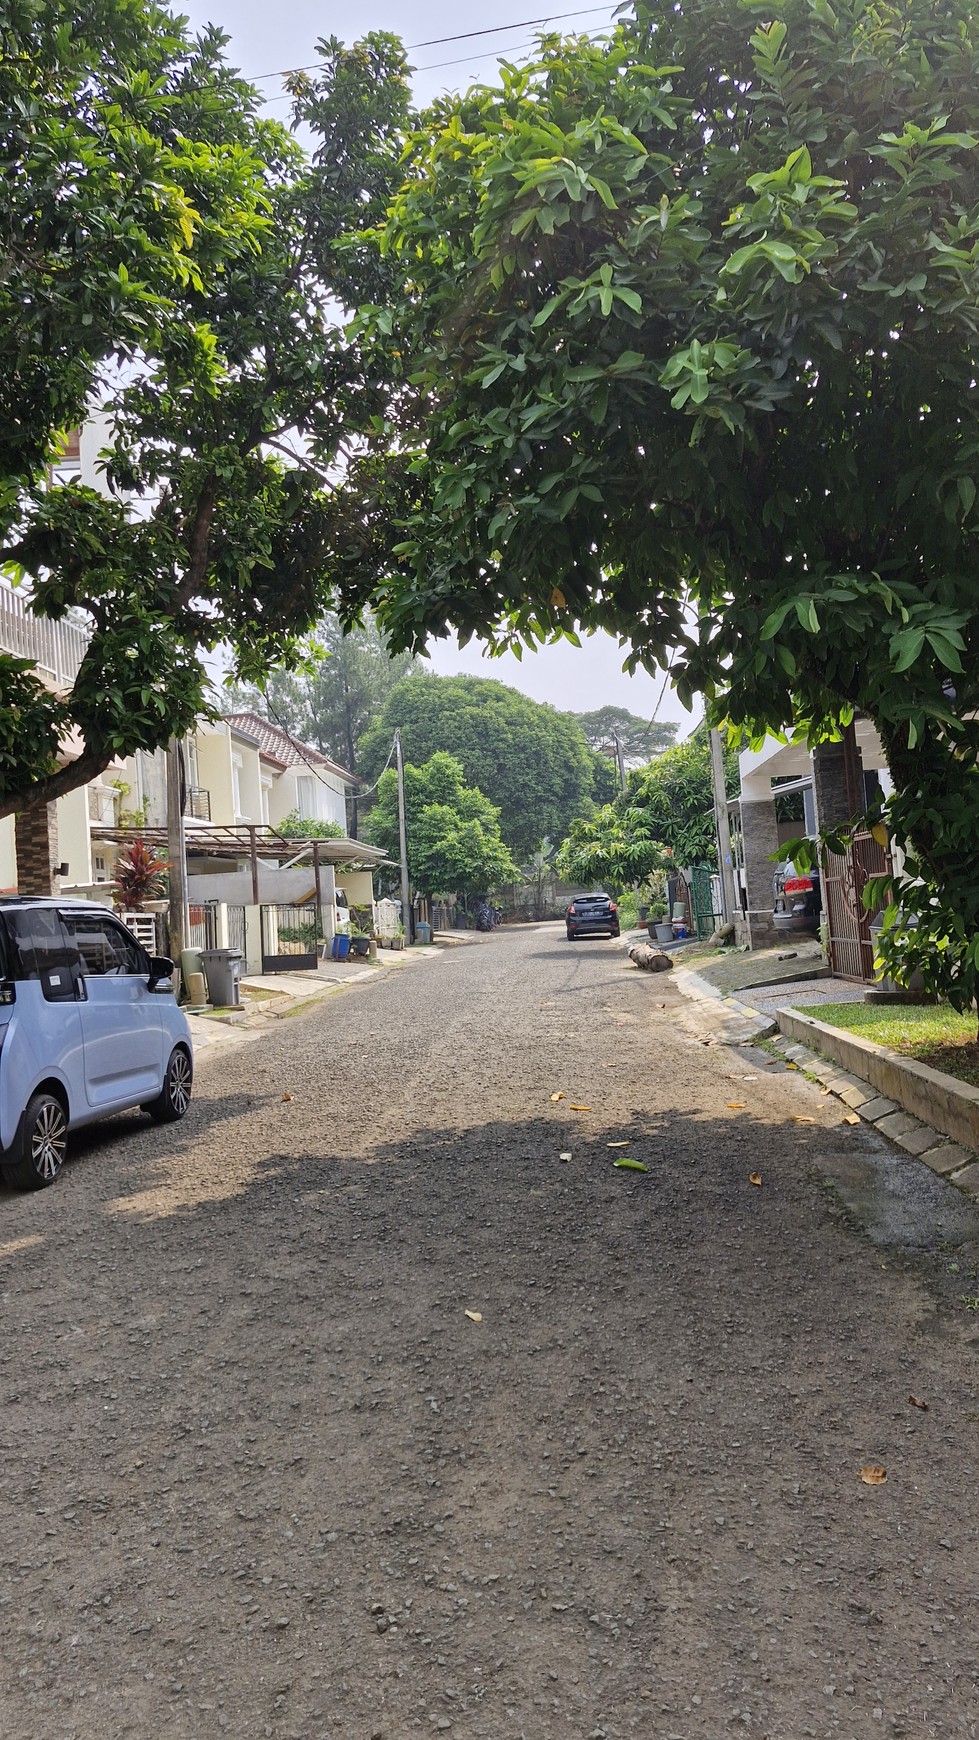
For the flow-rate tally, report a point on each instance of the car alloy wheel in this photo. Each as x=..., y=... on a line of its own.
x=43, y=1144
x=173, y=1102
x=48, y=1139
x=178, y=1083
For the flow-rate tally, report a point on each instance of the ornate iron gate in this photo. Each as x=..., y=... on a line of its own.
x=851, y=946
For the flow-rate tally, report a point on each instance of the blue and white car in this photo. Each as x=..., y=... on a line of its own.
x=89, y=1025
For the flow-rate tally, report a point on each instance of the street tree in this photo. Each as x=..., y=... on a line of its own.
x=454, y=840
x=530, y=760
x=675, y=792
x=688, y=332
x=615, y=849
x=229, y=391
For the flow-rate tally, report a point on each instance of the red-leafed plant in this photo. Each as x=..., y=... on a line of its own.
x=141, y=875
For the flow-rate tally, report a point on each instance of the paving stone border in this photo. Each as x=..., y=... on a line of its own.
x=923, y=1111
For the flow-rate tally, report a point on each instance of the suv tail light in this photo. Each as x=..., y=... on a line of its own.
x=797, y=885
x=612, y=906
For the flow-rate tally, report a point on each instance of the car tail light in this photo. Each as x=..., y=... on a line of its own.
x=612, y=906
x=797, y=885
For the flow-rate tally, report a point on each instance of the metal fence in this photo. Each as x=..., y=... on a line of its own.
x=202, y=932
x=290, y=938
x=236, y=928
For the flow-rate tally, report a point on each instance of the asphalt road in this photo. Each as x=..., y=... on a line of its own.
x=262, y=1475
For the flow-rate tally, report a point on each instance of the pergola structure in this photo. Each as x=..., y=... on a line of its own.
x=259, y=844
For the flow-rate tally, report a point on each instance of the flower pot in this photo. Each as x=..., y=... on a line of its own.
x=360, y=945
x=397, y=942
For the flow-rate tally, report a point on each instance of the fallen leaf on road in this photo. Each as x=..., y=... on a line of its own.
x=618, y=1144
x=736, y=1106
x=475, y=1316
x=565, y=1156
x=557, y=1097
x=797, y=1118
x=573, y=1108
x=916, y=1402
x=850, y=1118
x=872, y=1475
x=754, y=1177
x=630, y=1165
x=792, y=1066
x=287, y=1096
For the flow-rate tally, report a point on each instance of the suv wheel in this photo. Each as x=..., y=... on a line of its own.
x=175, y=1098
x=43, y=1144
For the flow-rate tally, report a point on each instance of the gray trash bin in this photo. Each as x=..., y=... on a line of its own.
x=222, y=969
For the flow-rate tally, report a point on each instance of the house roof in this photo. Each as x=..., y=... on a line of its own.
x=280, y=746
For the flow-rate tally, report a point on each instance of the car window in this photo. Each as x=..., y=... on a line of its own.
x=106, y=948
x=37, y=942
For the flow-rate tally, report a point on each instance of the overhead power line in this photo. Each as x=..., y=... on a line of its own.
x=461, y=36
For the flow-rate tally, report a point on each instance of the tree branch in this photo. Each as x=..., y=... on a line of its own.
x=86, y=766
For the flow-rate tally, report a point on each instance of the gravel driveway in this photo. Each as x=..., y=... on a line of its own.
x=260, y=1474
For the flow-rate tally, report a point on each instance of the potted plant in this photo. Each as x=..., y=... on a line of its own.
x=141, y=877
x=398, y=940
x=659, y=927
x=360, y=941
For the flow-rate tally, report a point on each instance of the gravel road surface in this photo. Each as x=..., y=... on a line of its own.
x=262, y=1475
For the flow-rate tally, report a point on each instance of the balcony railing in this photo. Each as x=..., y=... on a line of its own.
x=199, y=803
x=57, y=648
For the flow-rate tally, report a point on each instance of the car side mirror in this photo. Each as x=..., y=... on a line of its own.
x=161, y=967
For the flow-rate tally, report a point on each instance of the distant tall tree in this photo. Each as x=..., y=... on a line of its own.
x=639, y=738
x=530, y=760
x=332, y=702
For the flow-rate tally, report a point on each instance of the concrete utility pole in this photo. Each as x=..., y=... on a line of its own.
x=177, y=852
x=406, y=914
x=729, y=898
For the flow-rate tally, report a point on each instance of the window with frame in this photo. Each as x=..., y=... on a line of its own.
x=38, y=942
x=106, y=948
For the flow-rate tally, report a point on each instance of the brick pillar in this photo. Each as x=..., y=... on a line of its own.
x=36, y=835
x=759, y=833
x=837, y=781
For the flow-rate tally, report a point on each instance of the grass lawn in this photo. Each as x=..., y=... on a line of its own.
x=934, y=1034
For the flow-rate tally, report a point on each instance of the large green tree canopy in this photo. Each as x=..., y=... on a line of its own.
x=453, y=831
x=664, y=818
x=531, y=761
x=688, y=327
x=176, y=260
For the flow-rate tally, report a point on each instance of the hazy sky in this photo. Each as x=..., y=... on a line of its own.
x=271, y=39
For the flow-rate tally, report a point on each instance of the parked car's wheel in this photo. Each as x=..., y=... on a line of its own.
x=175, y=1098
x=43, y=1144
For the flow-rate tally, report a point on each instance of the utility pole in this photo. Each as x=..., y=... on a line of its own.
x=177, y=851
x=729, y=898
x=406, y=914
x=620, y=759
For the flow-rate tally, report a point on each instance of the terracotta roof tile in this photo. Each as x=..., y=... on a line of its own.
x=279, y=746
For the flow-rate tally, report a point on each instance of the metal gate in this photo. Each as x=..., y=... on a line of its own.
x=290, y=935
x=851, y=946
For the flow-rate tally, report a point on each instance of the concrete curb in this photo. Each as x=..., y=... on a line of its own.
x=916, y=1107
x=727, y=1020
x=937, y=1099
